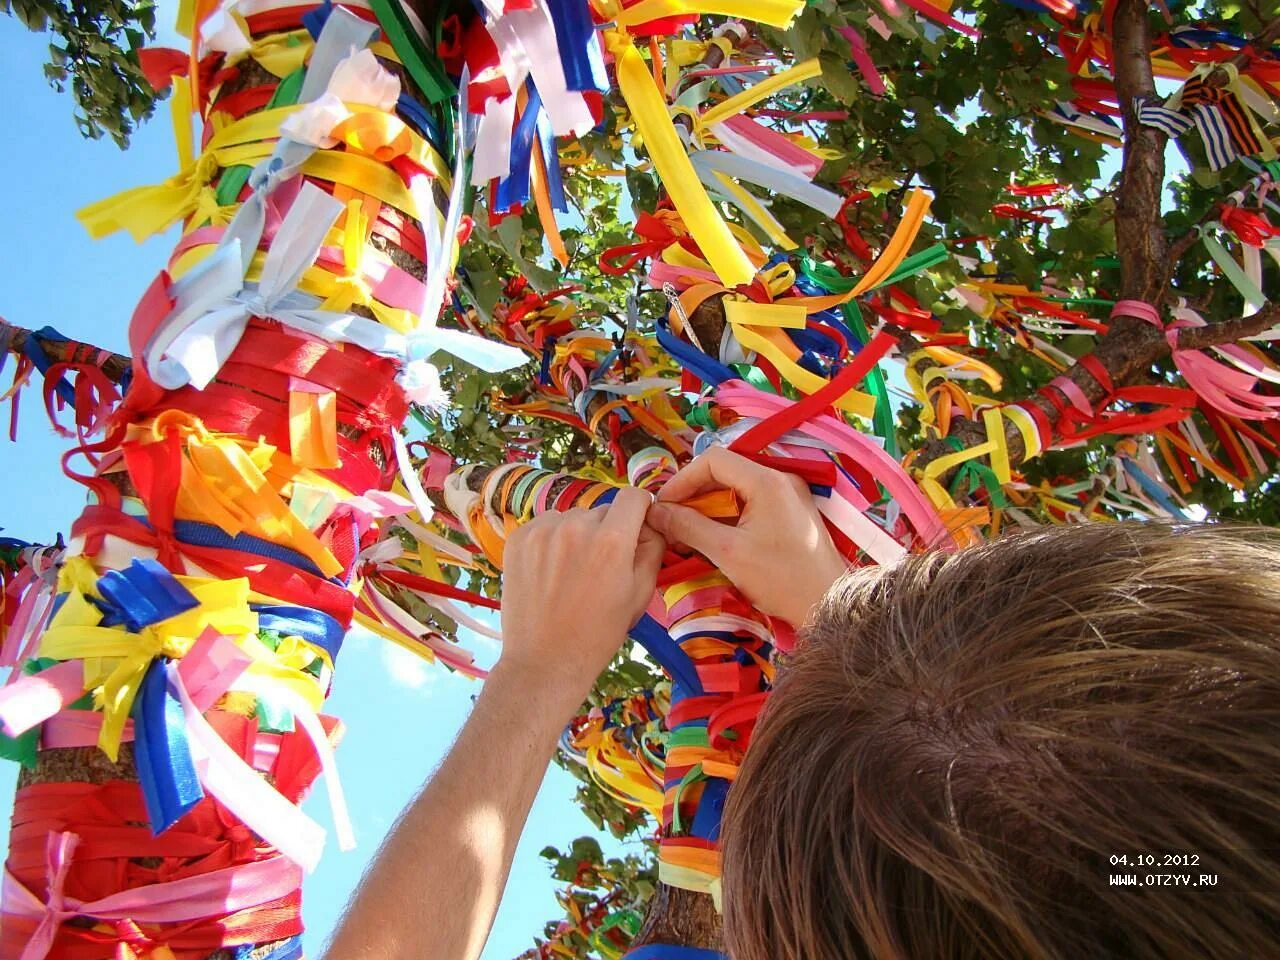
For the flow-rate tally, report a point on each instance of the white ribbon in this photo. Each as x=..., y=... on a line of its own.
x=306, y=717
x=359, y=78
x=343, y=33
x=237, y=786
x=526, y=42
x=768, y=177
x=744, y=148
x=221, y=32
x=410, y=478
x=213, y=303
x=493, y=141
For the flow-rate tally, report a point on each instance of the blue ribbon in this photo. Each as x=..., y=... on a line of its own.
x=1153, y=489
x=166, y=772
x=315, y=18
x=551, y=160
x=207, y=535
x=705, y=368
x=312, y=626
x=142, y=594
x=658, y=643
x=607, y=362
x=706, y=822
x=835, y=318
x=579, y=51
x=290, y=949
x=32, y=350
x=544, y=369
x=417, y=116
x=606, y=498
x=513, y=189
x=663, y=951
x=410, y=110
x=815, y=341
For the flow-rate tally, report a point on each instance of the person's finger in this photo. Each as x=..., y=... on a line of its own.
x=683, y=525
x=717, y=467
x=624, y=516
x=650, y=549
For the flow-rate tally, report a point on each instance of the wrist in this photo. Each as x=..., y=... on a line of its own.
x=549, y=678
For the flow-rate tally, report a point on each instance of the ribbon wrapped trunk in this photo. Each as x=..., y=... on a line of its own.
x=174, y=657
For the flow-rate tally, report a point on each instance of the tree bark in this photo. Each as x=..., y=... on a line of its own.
x=15, y=339
x=1229, y=331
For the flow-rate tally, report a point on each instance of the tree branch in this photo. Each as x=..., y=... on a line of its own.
x=1229, y=331
x=1130, y=346
x=1262, y=42
x=14, y=340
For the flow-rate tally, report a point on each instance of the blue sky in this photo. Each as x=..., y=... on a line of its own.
x=401, y=716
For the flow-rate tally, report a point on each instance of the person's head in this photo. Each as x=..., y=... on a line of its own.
x=962, y=742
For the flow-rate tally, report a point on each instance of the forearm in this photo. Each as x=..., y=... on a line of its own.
x=434, y=888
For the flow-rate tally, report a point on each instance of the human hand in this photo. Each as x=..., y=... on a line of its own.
x=779, y=555
x=572, y=586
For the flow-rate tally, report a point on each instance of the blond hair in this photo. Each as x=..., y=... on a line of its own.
x=963, y=742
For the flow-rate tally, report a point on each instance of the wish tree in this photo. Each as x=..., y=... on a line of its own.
x=443, y=268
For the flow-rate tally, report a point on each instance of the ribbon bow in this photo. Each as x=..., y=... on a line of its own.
x=76, y=632
x=213, y=303
x=59, y=849
x=218, y=893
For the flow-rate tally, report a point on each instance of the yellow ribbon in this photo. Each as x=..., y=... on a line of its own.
x=776, y=13
x=147, y=210
x=649, y=110
x=806, y=70
x=280, y=54
x=238, y=485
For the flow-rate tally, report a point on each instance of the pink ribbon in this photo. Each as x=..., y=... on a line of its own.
x=213, y=663
x=749, y=402
x=28, y=620
x=34, y=699
x=858, y=48
x=1230, y=391
x=259, y=806
x=846, y=510
x=773, y=148
x=661, y=272
x=1136, y=308
x=1071, y=390
x=214, y=894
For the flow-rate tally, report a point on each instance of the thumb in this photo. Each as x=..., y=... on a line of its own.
x=684, y=525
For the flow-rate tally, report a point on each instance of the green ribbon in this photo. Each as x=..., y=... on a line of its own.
x=754, y=376
x=1082, y=301
x=422, y=64
x=926, y=258
x=692, y=776
x=882, y=421
x=826, y=276
x=234, y=178
x=972, y=474
x=699, y=415
x=1254, y=298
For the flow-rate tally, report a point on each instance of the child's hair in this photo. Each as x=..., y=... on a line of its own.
x=965, y=745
